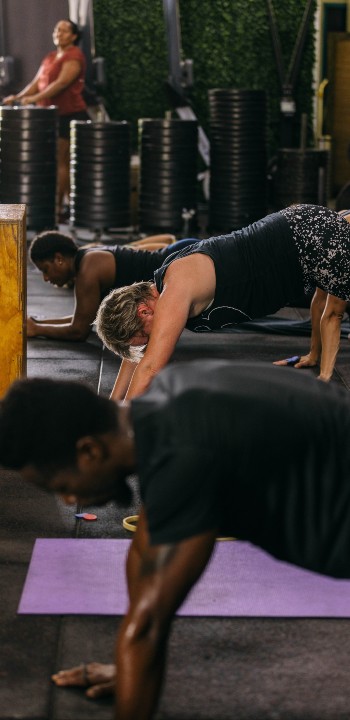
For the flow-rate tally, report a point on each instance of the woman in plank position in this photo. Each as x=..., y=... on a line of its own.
x=219, y=282
x=94, y=270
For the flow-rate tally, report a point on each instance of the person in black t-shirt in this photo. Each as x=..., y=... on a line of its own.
x=219, y=447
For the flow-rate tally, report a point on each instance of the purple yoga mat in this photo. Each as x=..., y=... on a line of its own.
x=87, y=577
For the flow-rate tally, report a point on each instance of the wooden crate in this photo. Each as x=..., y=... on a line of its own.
x=13, y=294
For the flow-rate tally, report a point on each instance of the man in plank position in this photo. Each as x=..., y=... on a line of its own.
x=212, y=445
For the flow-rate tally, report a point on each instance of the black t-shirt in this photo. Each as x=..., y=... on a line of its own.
x=251, y=451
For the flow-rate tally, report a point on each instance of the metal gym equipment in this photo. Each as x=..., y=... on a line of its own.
x=180, y=78
x=299, y=173
x=288, y=79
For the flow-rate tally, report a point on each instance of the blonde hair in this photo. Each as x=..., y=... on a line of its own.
x=117, y=320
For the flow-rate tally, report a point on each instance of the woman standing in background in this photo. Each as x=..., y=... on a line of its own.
x=59, y=81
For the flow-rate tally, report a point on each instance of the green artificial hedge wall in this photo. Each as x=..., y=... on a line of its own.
x=229, y=42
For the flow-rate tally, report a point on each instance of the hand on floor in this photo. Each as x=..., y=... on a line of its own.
x=296, y=361
x=97, y=677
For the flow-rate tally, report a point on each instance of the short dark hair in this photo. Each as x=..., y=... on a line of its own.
x=42, y=419
x=46, y=244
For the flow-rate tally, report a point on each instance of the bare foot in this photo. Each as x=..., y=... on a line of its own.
x=97, y=677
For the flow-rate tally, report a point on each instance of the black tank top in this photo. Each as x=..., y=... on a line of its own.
x=257, y=272
x=131, y=265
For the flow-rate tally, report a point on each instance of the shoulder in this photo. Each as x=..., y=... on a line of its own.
x=74, y=53
x=49, y=58
x=91, y=260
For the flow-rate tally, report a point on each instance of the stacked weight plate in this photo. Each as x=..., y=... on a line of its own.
x=168, y=173
x=100, y=174
x=28, y=137
x=302, y=177
x=238, y=185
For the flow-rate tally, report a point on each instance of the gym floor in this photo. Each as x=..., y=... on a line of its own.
x=219, y=669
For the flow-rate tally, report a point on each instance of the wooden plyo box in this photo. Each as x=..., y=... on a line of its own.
x=13, y=294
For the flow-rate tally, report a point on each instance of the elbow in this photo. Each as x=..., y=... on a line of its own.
x=60, y=87
x=79, y=334
x=331, y=318
x=144, y=625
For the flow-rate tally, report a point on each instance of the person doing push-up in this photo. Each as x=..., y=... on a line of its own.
x=219, y=282
x=211, y=443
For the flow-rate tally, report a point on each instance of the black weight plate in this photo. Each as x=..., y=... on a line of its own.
x=86, y=163
x=153, y=216
x=27, y=113
x=168, y=169
x=236, y=114
x=13, y=176
x=91, y=142
x=27, y=136
x=99, y=158
x=148, y=146
x=32, y=146
x=158, y=187
x=165, y=173
x=172, y=191
x=15, y=155
x=100, y=174
x=163, y=123
x=169, y=191
x=229, y=130
x=168, y=140
x=110, y=125
x=90, y=187
x=92, y=150
x=94, y=135
x=38, y=198
x=100, y=223
x=94, y=210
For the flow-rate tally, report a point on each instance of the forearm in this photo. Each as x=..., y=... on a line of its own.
x=53, y=321
x=50, y=91
x=122, y=382
x=28, y=90
x=66, y=331
x=140, y=673
x=317, y=307
x=141, y=379
x=330, y=335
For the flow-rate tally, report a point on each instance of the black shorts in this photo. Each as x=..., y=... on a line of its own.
x=65, y=120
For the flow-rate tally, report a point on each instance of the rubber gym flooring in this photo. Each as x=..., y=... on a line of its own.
x=219, y=669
